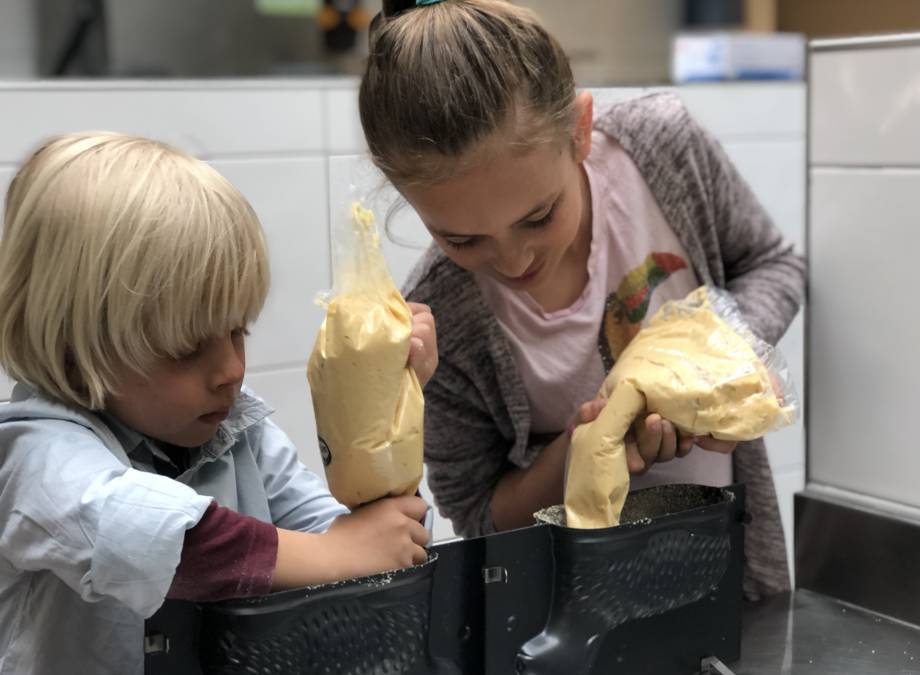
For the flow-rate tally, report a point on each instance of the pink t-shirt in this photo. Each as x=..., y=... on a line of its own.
x=635, y=264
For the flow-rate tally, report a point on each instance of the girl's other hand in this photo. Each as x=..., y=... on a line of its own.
x=423, y=346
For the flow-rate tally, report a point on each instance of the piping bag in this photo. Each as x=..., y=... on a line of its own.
x=368, y=402
x=697, y=365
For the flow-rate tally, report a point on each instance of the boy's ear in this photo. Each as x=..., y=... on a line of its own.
x=584, y=121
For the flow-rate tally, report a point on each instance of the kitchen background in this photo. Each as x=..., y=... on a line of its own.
x=608, y=41
x=266, y=91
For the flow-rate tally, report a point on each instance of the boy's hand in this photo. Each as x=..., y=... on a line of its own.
x=381, y=536
x=423, y=349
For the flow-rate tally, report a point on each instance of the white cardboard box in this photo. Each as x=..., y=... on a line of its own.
x=706, y=57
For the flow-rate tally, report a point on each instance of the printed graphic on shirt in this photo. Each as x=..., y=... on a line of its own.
x=627, y=307
x=325, y=452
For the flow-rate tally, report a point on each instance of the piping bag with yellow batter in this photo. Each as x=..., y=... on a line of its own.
x=695, y=364
x=368, y=402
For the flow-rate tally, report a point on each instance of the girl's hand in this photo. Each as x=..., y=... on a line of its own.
x=589, y=411
x=715, y=445
x=655, y=440
x=423, y=349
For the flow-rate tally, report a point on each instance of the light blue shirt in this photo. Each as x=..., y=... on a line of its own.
x=91, y=535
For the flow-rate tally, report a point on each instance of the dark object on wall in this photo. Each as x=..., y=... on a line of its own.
x=341, y=21
x=713, y=13
x=72, y=37
x=835, y=18
x=394, y=7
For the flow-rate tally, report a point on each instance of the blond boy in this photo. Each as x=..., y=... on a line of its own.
x=133, y=464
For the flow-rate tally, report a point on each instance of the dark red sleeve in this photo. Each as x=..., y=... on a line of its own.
x=226, y=555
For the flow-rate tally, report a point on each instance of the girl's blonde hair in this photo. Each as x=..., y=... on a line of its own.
x=116, y=251
x=443, y=77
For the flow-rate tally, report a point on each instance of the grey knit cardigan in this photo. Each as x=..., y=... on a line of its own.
x=477, y=422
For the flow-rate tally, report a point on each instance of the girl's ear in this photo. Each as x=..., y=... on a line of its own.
x=584, y=121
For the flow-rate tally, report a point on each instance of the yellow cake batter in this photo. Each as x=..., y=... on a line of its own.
x=368, y=402
x=693, y=369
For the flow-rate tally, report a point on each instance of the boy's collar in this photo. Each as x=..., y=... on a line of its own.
x=247, y=411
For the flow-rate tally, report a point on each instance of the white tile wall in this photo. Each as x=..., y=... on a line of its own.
x=764, y=111
x=6, y=387
x=865, y=106
x=206, y=119
x=864, y=331
x=344, y=123
x=405, y=238
x=768, y=111
x=6, y=175
x=774, y=167
x=291, y=198
x=287, y=392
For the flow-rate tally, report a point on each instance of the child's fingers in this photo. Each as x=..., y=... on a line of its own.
x=419, y=555
x=423, y=331
x=419, y=533
x=685, y=445
x=423, y=328
x=668, y=448
x=777, y=388
x=416, y=352
x=423, y=345
x=418, y=308
x=424, y=361
x=716, y=445
x=413, y=507
x=649, y=435
x=590, y=410
x=423, y=325
x=634, y=461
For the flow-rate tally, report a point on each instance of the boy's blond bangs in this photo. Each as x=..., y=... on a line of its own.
x=117, y=251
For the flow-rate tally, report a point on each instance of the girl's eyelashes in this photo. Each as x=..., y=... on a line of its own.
x=542, y=220
x=458, y=243
x=242, y=331
x=465, y=242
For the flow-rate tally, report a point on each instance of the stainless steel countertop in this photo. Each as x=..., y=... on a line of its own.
x=807, y=633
